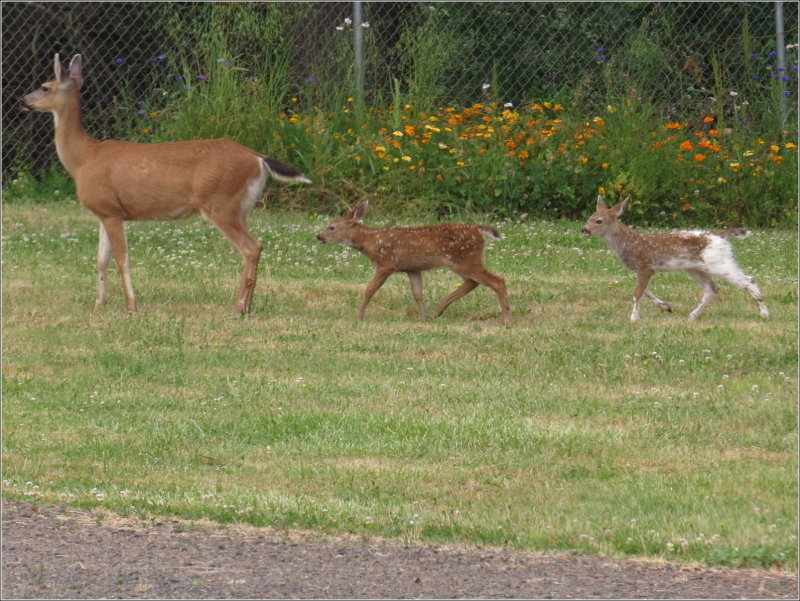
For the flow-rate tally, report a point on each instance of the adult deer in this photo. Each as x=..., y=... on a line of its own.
x=703, y=255
x=412, y=250
x=128, y=181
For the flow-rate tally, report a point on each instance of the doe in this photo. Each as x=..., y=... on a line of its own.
x=413, y=250
x=703, y=255
x=125, y=181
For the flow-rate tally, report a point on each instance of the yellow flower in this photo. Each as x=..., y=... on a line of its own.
x=601, y=190
x=789, y=145
x=380, y=149
x=774, y=148
x=399, y=134
x=407, y=158
x=459, y=163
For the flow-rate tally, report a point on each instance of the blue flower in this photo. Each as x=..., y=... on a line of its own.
x=754, y=55
x=201, y=78
x=161, y=57
x=119, y=61
x=178, y=78
x=142, y=112
x=140, y=102
x=755, y=77
x=772, y=53
x=785, y=78
x=311, y=80
x=787, y=93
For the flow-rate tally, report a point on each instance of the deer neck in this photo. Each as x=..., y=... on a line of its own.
x=619, y=238
x=72, y=142
x=363, y=238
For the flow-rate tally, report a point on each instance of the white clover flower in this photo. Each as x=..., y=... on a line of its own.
x=486, y=86
x=348, y=21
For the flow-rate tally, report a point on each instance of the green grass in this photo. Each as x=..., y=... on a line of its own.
x=572, y=430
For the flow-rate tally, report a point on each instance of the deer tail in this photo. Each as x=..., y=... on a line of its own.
x=489, y=231
x=284, y=172
x=736, y=232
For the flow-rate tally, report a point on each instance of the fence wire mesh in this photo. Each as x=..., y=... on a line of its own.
x=684, y=55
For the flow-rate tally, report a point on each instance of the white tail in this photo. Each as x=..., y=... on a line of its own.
x=703, y=255
x=122, y=181
x=416, y=249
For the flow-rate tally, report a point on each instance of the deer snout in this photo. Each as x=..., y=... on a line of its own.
x=585, y=231
x=321, y=239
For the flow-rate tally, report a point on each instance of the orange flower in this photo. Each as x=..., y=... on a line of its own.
x=524, y=154
x=686, y=145
x=699, y=157
x=708, y=119
x=675, y=125
x=409, y=129
x=713, y=132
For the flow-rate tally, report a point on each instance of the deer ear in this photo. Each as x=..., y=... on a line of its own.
x=620, y=208
x=61, y=74
x=601, y=205
x=360, y=211
x=76, y=70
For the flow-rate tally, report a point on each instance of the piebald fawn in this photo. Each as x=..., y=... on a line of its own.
x=124, y=181
x=413, y=250
x=703, y=255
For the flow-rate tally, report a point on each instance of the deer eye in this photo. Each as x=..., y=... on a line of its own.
x=598, y=221
x=331, y=228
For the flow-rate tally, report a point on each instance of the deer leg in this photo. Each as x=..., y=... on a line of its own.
x=235, y=230
x=657, y=301
x=416, y=290
x=372, y=288
x=103, y=257
x=496, y=283
x=115, y=231
x=710, y=289
x=467, y=286
x=738, y=278
x=642, y=279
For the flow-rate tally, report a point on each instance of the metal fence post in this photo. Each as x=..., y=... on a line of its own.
x=781, y=55
x=358, y=51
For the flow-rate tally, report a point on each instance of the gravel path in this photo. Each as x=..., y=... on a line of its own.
x=64, y=553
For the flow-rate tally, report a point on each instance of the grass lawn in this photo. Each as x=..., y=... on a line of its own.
x=572, y=430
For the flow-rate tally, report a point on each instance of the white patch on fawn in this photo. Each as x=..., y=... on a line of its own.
x=703, y=255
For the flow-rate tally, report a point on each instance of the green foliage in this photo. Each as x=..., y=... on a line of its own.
x=624, y=123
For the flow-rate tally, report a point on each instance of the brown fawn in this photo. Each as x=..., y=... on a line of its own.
x=413, y=250
x=126, y=181
x=703, y=255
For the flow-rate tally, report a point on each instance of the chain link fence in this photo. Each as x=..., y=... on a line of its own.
x=685, y=55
